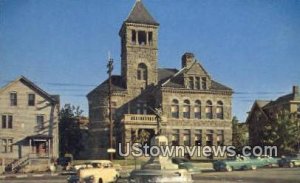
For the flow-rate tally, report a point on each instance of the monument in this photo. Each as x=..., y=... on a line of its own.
x=159, y=168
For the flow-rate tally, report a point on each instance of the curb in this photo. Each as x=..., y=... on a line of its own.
x=26, y=176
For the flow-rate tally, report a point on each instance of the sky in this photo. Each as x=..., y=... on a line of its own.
x=252, y=46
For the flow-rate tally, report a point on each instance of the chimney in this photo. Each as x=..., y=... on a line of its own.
x=296, y=92
x=187, y=59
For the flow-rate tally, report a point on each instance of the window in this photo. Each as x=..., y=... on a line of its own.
x=31, y=99
x=209, y=137
x=7, y=145
x=219, y=110
x=7, y=121
x=208, y=110
x=13, y=99
x=191, y=83
x=40, y=122
x=150, y=37
x=142, y=72
x=175, y=109
x=197, y=109
x=186, y=137
x=220, y=137
x=203, y=82
x=133, y=36
x=197, y=83
x=113, y=109
x=186, y=109
x=198, y=137
x=142, y=37
x=175, y=137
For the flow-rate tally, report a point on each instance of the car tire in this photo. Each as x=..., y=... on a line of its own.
x=291, y=165
x=228, y=168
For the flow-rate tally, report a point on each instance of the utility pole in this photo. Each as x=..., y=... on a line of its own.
x=109, y=71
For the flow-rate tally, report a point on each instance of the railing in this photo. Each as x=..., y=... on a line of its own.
x=139, y=118
x=19, y=163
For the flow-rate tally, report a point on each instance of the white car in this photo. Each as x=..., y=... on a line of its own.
x=96, y=171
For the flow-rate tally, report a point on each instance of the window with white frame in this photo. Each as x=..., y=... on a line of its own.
x=7, y=145
x=7, y=121
x=40, y=122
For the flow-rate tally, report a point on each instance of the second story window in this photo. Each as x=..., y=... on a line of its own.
x=219, y=110
x=7, y=121
x=186, y=109
x=208, y=110
x=197, y=109
x=186, y=137
x=13, y=99
x=175, y=109
x=40, y=122
x=31, y=99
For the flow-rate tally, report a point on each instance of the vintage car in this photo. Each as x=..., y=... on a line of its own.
x=96, y=171
x=290, y=161
x=236, y=163
x=266, y=161
x=184, y=163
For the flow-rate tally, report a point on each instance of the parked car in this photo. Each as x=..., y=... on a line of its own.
x=267, y=161
x=96, y=171
x=236, y=163
x=184, y=163
x=290, y=161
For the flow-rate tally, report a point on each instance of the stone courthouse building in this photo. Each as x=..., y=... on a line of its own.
x=196, y=108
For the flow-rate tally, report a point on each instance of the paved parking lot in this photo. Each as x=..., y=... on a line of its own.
x=272, y=175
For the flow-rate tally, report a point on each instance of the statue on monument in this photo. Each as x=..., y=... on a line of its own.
x=158, y=116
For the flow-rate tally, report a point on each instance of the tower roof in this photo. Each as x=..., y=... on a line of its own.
x=139, y=14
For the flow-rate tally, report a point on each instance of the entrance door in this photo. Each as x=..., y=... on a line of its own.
x=41, y=148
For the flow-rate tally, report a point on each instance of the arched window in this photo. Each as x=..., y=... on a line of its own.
x=175, y=109
x=208, y=110
x=142, y=72
x=197, y=109
x=186, y=109
x=219, y=110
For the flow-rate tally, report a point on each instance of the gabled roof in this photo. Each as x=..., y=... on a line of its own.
x=139, y=14
x=259, y=104
x=174, y=78
x=30, y=84
x=116, y=85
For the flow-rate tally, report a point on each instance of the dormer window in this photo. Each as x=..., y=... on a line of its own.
x=142, y=72
x=197, y=83
x=191, y=83
x=203, y=82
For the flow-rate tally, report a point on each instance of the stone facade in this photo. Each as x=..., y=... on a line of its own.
x=29, y=121
x=196, y=109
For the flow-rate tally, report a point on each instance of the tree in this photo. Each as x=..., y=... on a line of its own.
x=240, y=137
x=69, y=130
x=283, y=132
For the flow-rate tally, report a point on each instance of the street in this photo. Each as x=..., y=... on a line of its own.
x=274, y=175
